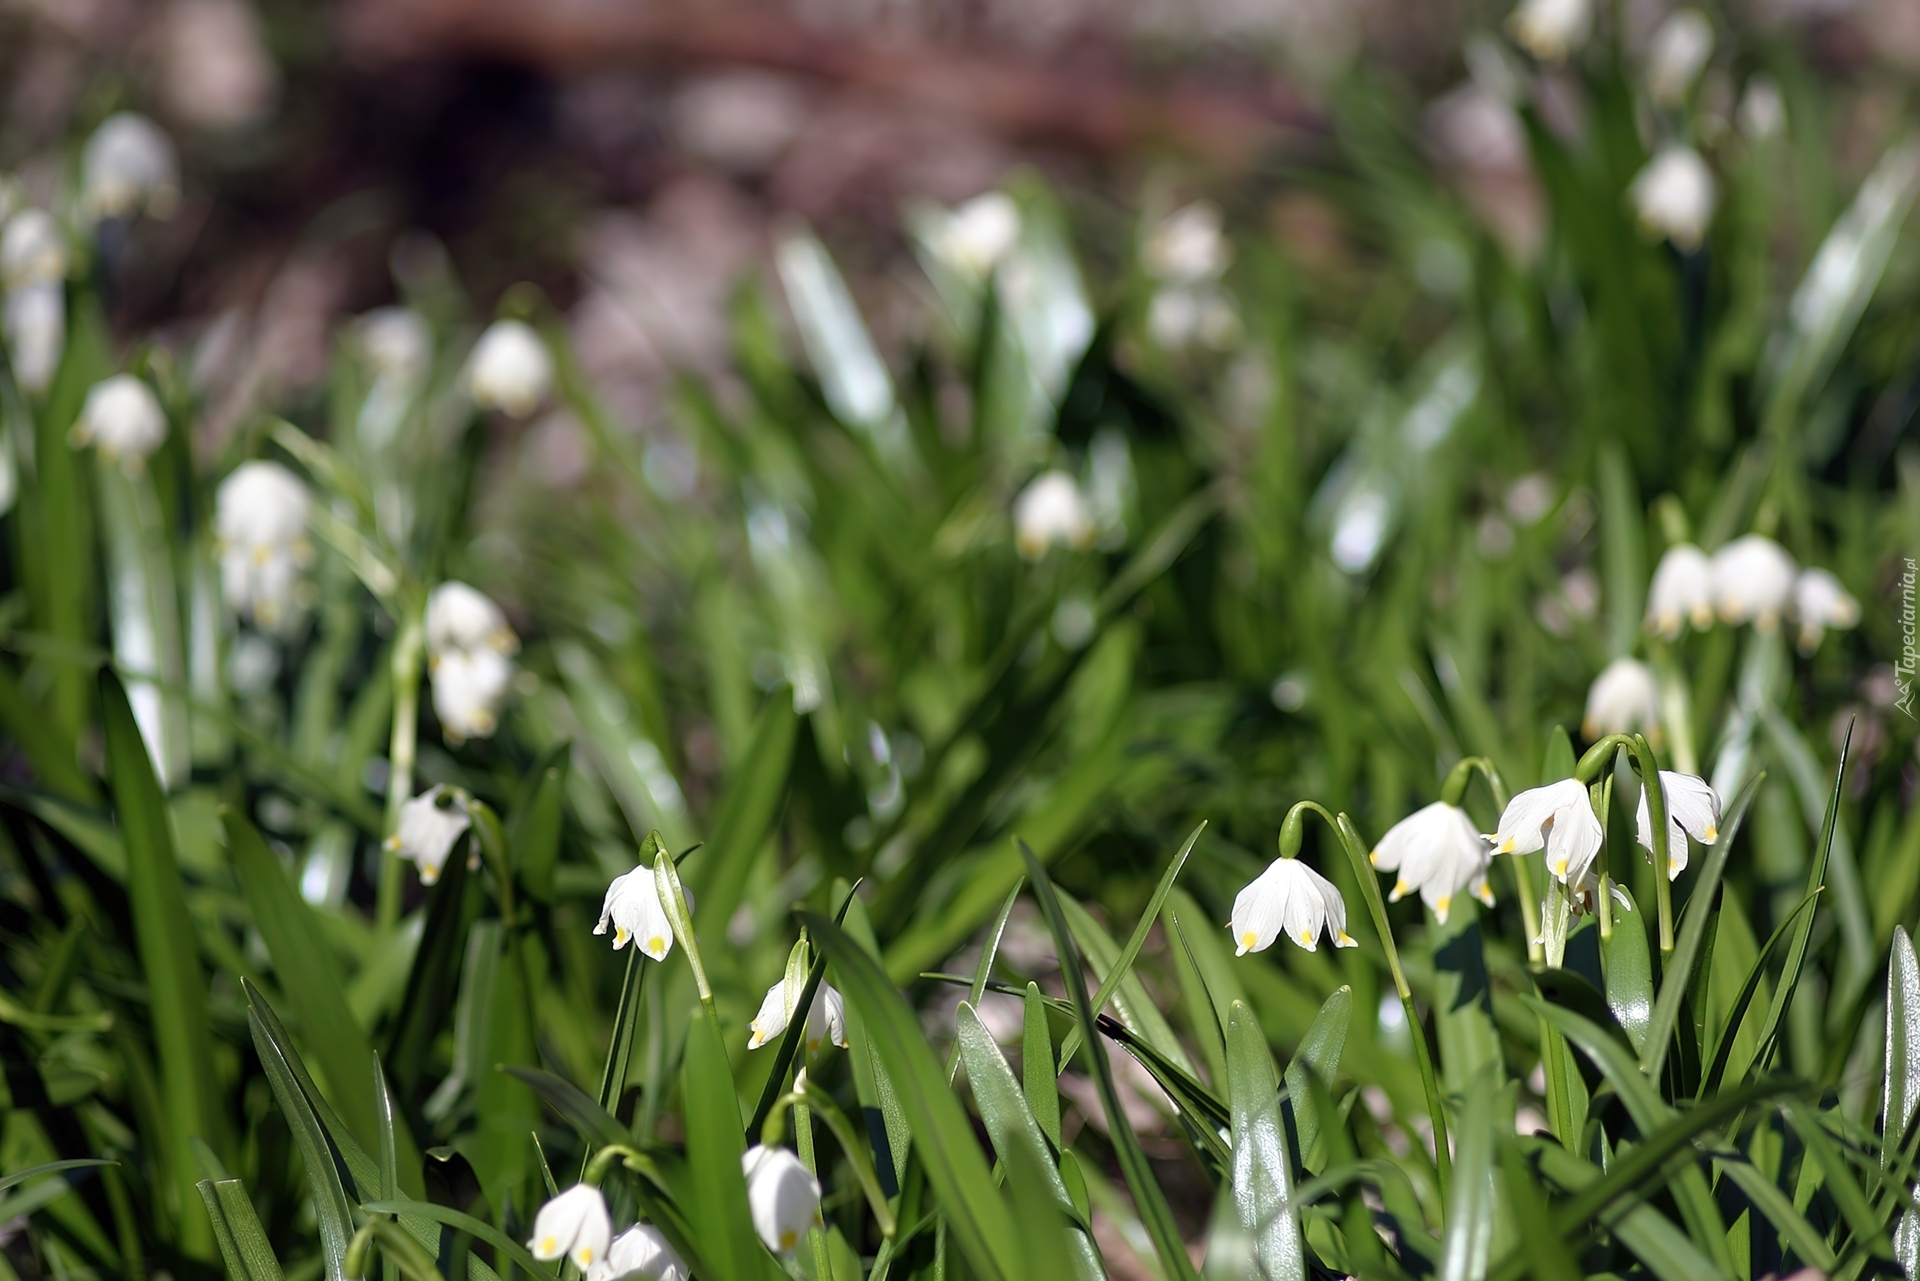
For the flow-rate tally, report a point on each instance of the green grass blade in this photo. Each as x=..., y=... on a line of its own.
x=332, y=1210
x=752, y=801
x=1545, y=1254
x=1902, y=1092
x=1317, y=1055
x=479, y=1229
x=51, y=1167
x=1471, y=1196
x=1869, y=1234
x=1737, y=1012
x=717, y=1205
x=989, y=951
x=533, y=833
x=1808, y=1241
x=1037, y=1065
x=1130, y=1000
x=578, y=1108
x=1629, y=974
x=239, y=1224
x=432, y=982
x=1262, y=1167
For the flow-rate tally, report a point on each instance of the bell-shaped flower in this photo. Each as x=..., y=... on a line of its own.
x=574, y=1224
x=1437, y=853
x=1679, y=52
x=468, y=688
x=1551, y=29
x=260, y=527
x=1820, y=602
x=1291, y=898
x=782, y=1197
x=1051, y=512
x=641, y=1253
x=35, y=325
x=1188, y=246
x=977, y=235
x=1682, y=592
x=33, y=250
x=460, y=617
x=128, y=168
x=429, y=827
x=1557, y=818
x=510, y=369
x=634, y=908
x=122, y=418
x=1674, y=196
x=1693, y=808
x=397, y=343
x=1753, y=580
x=826, y=1021
x=1622, y=700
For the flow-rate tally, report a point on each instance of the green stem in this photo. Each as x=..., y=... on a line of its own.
x=1656, y=797
x=1529, y=907
x=803, y=1139
x=673, y=896
x=1602, y=797
x=408, y=649
x=493, y=843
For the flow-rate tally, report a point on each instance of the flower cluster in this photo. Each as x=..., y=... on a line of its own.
x=469, y=645
x=260, y=531
x=1186, y=254
x=1749, y=580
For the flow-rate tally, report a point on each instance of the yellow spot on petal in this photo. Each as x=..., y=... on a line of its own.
x=1374, y=858
x=1560, y=868
x=1441, y=904
x=1306, y=937
x=1401, y=887
x=584, y=1255
x=1713, y=834
x=1506, y=846
x=1344, y=939
x=656, y=944
x=620, y=936
x=548, y=1247
x=787, y=1239
x=1248, y=939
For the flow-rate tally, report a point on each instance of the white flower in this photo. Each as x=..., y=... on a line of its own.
x=430, y=825
x=396, y=342
x=32, y=250
x=1051, y=511
x=1623, y=700
x=260, y=524
x=634, y=907
x=122, y=418
x=1680, y=49
x=129, y=167
x=1682, y=592
x=978, y=234
x=510, y=369
x=461, y=617
x=826, y=1021
x=1762, y=112
x=641, y=1253
x=1693, y=808
x=1551, y=29
x=1674, y=196
x=783, y=1198
x=1187, y=247
x=1753, y=581
x=574, y=1224
x=1288, y=896
x=1180, y=314
x=1558, y=818
x=36, y=333
x=1820, y=602
x=468, y=687
x=1438, y=853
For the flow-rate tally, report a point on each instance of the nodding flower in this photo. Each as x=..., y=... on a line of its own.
x=1290, y=898
x=1622, y=700
x=1693, y=809
x=634, y=909
x=121, y=418
x=260, y=527
x=1753, y=579
x=782, y=1197
x=1557, y=818
x=510, y=369
x=1679, y=52
x=468, y=641
x=1820, y=602
x=33, y=250
x=826, y=1020
x=129, y=168
x=429, y=827
x=641, y=1253
x=977, y=235
x=1551, y=29
x=574, y=1224
x=1674, y=196
x=1438, y=854
x=1682, y=592
x=1051, y=512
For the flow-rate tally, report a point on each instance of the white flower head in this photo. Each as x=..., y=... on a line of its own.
x=260, y=527
x=635, y=910
x=1679, y=52
x=510, y=369
x=1437, y=853
x=826, y=1020
x=641, y=1253
x=1753, y=580
x=1820, y=602
x=1622, y=700
x=129, y=167
x=1762, y=112
x=574, y=1224
x=783, y=1198
x=33, y=250
x=461, y=617
x=468, y=687
x=122, y=418
x=977, y=235
x=1557, y=818
x=35, y=325
x=1675, y=195
x=1290, y=898
x=1188, y=246
x=1551, y=29
x=1682, y=592
x=396, y=342
x=431, y=824
x=1693, y=808
x=1051, y=511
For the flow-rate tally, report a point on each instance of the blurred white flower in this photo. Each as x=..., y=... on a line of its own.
x=641, y=1253
x=121, y=418
x=1679, y=51
x=1557, y=818
x=1187, y=247
x=462, y=617
x=1674, y=196
x=976, y=236
x=468, y=688
x=36, y=331
x=396, y=342
x=430, y=825
x=260, y=527
x=1693, y=808
x=1181, y=315
x=1288, y=897
x=1551, y=29
x=1051, y=511
x=128, y=168
x=783, y=1198
x=33, y=250
x=1622, y=700
x=826, y=1021
x=1753, y=580
x=1682, y=592
x=574, y=1224
x=510, y=369
x=1820, y=602
x=1763, y=111
x=1437, y=853
x=634, y=908
x=217, y=73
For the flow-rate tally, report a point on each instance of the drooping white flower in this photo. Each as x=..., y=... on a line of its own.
x=1437, y=853
x=1753, y=581
x=1291, y=898
x=35, y=325
x=1820, y=602
x=574, y=1224
x=468, y=687
x=128, y=168
x=1674, y=196
x=462, y=617
x=1051, y=511
x=1551, y=29
x=977, y=235
x=429, y=827
x=510, y=369
x=1693, y=808
x=641, y=1253
x=260, y=526
x=1682, y=592
x=122, y=418
x=33, y=250
x=826, y=1021
x=396, y=342
x=1188, y=246
x=782, y=1197
x=1622, y=700
x=1679, y=51
x=1557, y=818
x=634, y=908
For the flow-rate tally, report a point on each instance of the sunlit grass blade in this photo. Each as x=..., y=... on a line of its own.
x=1629, y=973
x=578, y=1108
x=1901, y=1092
x=1262, y=1167
x=1039, y=1076
x=1737, y=1012
x=243, y=1242
x=1317, y=1055
x=755, y=789
x=479, y=1229
x=1471, y=1196
x=1129, y=995
x=332, y=1210
x=788, y=1049
x=717, y=1204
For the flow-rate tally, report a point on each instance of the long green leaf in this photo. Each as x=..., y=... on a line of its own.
x=1737, y=1012
x=51, y=1167
x=1902, y=1091
x=1471, y=1196
x=1040, y=1080
x=1317, y=1055
x=1262, y=1167
x=463, y=1222
x=718, y=1204
x=752, y=801
x=577, y=1107
x=333, y=1212
x=243, y=1242
x=533, y=833
x=1629, y=973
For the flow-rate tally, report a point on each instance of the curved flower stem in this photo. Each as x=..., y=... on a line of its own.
x=1461, y=775
x=408, y=653
x=400, y=1249
x=632, y=1158
x=803, y=1139
x=804, y=1101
